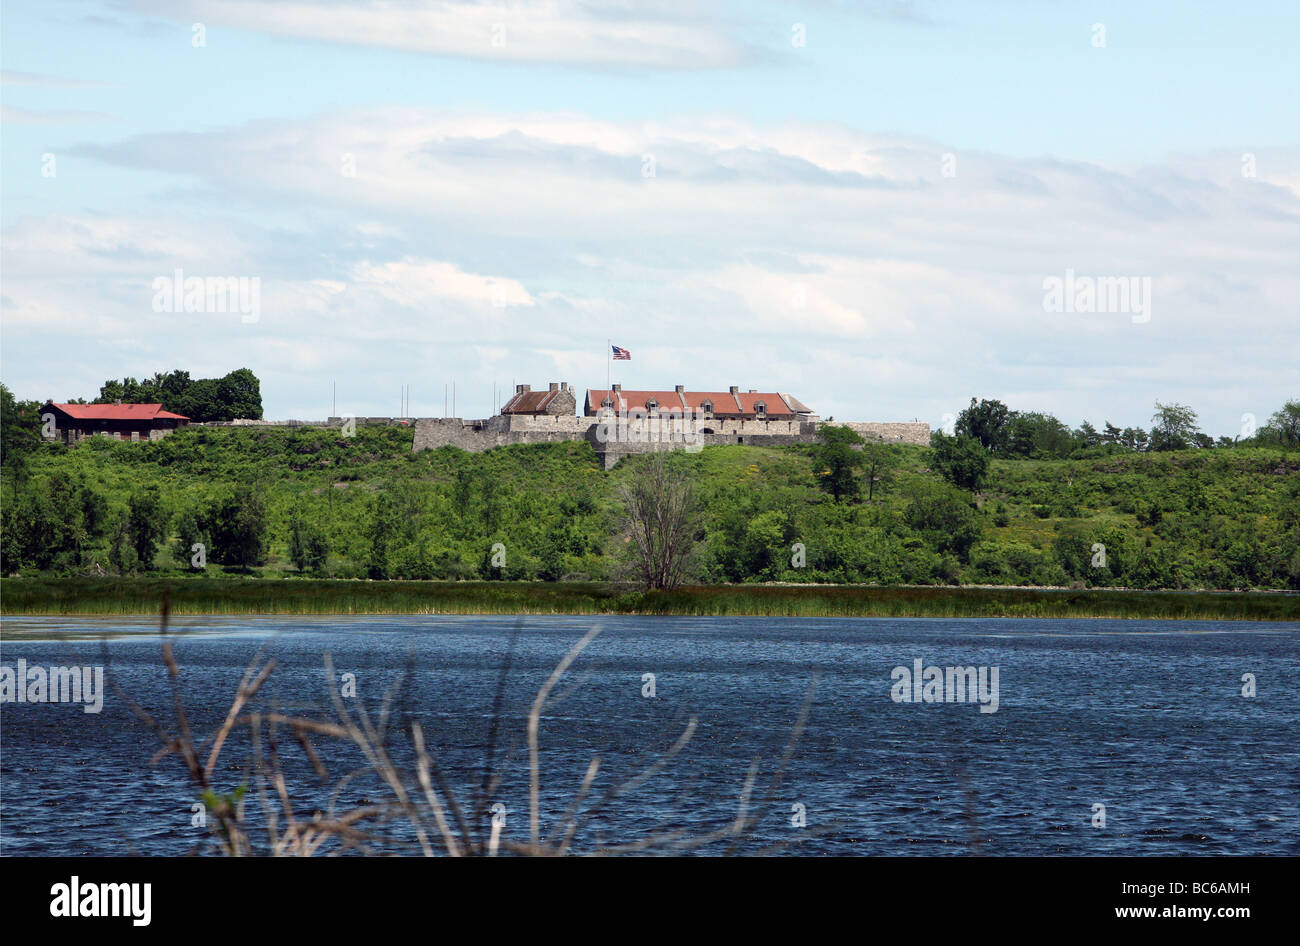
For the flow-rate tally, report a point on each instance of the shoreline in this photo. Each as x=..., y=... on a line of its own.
x=262, y=596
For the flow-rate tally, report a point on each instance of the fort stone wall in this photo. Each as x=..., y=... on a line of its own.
x=612, y=438
x=912, y=432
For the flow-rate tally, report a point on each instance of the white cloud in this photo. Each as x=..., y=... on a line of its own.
x=604, y=33
x=842, y=267
x=412, y=282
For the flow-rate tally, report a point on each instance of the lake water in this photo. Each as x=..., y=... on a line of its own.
x=1144, y=717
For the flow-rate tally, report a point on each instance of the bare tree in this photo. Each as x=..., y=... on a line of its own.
x=661, y=518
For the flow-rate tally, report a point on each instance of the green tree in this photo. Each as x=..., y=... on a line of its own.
x=190, y=531
x=962, y=461
x=944, y=518
x=40, y=534
x=110, y=391
x=986, y=422
x=555, y=545
x=128, y=391
x=490, y=566
x=121, y=550
x=383, y=532
x=1284, y=426
x=20, y=430
x=1175, y=427
x=146, y=525
x=94, y=510
x=237, y=395
x=1134, y=438
x=237, y=526
x=765, y=545
x=1040, y=436
x=11, y=548
x=879, y=463
x=49, y=522
x=308, y=546
x=836, y=461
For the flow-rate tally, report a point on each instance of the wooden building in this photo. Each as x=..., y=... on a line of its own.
x=133, y=422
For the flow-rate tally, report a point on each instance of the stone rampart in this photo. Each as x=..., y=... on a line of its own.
x=912, y=432
x=611, y=438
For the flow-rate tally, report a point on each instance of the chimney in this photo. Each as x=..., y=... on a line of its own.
x=753, y=390
x=521, y=388
x=734, y=389
x=555, y=386
x=118, y=402
x=564, y=385
x=679, y=389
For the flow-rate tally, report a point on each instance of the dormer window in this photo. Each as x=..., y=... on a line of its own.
x=708, y=410
x=760, y=409
x=651, y=405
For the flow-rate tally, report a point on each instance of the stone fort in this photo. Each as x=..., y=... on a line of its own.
x=618, y=422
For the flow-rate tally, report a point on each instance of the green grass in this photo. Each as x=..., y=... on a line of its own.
x=107, y=596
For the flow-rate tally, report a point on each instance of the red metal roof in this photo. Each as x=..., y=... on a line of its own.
x=667, y=401
x=117, y=412
x=724, y=402
x=772, y=403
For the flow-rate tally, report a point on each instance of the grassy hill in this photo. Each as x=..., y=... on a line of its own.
x=1198, y=519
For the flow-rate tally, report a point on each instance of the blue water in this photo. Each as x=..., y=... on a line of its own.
x=1143, y=717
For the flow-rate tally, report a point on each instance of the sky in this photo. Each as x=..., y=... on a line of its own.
x=864, y=204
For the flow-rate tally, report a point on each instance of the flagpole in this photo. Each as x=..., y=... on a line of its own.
x=609, y=361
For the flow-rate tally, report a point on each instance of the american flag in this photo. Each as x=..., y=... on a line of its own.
x=621, y=354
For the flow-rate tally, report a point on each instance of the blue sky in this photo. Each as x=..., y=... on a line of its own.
x=865, y=220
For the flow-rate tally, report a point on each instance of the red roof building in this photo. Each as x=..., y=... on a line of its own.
x=558, y=400
x=732, y=404
x=69, y=423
